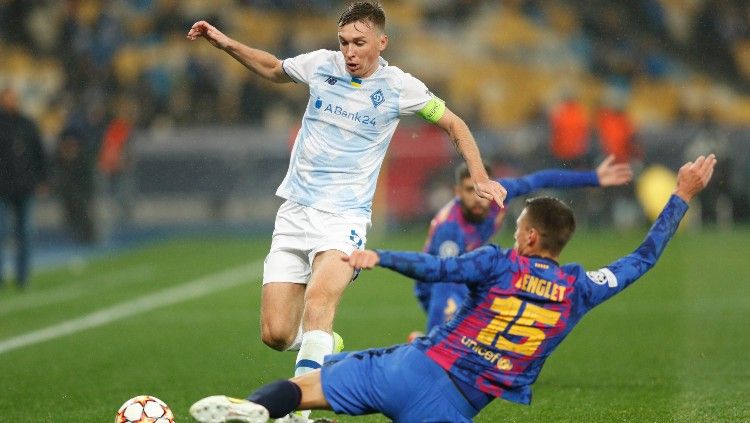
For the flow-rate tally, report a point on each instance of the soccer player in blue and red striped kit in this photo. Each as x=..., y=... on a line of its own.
x=468, y=222
x=521, y=305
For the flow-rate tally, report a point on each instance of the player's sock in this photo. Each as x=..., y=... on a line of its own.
x=279, y=398
x=297, y=343
x=316, y=344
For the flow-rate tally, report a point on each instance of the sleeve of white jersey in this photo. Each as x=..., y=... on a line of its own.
x=414, y=95
x=301, y=68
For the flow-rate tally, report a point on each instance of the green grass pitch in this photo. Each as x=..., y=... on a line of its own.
x=672, y=348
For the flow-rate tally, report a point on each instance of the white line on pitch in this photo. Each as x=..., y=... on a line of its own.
x=176, y=294
x=69, y=291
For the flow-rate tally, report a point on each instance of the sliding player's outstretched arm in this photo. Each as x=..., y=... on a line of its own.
x=608, y=173
x=691, y=180
x=468, y=268
x=264, y=64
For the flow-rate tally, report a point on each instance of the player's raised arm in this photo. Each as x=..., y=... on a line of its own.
x=608, y=281
x=608, y=173
x=462, y=138
x=613, y=174
x=264, y=64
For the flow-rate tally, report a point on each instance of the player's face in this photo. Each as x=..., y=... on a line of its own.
x=361, y=43
x=474, y=207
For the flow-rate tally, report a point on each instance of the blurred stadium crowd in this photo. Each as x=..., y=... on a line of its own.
x=649, y=80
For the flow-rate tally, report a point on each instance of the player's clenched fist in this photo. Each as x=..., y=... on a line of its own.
x=362, y=259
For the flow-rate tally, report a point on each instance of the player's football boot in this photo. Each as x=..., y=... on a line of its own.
x=295, y=417
x=224, y=409
x=338, y=343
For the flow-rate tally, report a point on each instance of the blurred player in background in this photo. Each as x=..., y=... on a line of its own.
x=467, y=222
x=23, y=173
x=521, y=305
x=356, y=101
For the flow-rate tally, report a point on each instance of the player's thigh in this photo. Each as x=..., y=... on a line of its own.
x=330, y=275
x=399, y=381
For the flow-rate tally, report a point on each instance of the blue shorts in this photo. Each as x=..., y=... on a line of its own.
x=400, y=382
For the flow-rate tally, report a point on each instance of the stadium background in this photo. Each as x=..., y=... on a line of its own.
x=206, y=144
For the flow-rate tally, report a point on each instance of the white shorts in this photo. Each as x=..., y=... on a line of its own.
x=301, y=232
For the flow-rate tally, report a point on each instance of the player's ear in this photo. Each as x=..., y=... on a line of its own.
x=533, y=238
x=382, y=42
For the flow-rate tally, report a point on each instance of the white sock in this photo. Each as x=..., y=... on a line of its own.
x=316, y=344
x=297, y=341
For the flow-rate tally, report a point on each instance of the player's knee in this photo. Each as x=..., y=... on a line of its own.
x=276, y=339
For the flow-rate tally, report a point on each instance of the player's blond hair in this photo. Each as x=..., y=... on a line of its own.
x=366, y=11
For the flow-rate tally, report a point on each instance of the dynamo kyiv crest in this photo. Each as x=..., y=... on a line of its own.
x=377, y=98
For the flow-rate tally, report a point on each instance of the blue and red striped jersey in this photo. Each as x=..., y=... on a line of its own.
x=451, y=234
x=520, y=308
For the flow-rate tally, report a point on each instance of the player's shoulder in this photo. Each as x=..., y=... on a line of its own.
x=321, y=57
x=394, y=72
x=446, y=214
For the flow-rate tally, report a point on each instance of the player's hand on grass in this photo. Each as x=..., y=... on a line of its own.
x=694, y=176
x=209, y=32
x=362, y=259
x=612, y=174
x=491, y=190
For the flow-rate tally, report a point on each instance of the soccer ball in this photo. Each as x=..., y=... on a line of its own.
x=144, y=409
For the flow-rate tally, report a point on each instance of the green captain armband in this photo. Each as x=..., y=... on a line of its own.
x=433, y=110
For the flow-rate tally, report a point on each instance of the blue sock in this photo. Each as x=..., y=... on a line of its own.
x=279, y=398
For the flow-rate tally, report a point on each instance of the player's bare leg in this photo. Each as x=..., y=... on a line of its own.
x=330, y=277
x=312, y=391
x=282, y=304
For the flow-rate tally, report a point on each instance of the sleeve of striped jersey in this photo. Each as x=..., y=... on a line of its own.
x=301, y=68
x=471, y=268
x=550, y=178
x=604, y=283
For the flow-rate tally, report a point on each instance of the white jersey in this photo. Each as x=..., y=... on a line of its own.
x=345, y=131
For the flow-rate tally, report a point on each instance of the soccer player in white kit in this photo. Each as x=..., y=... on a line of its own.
x=356, y=101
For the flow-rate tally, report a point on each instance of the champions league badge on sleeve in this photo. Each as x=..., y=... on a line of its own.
x=603, y=276
x=448, y=249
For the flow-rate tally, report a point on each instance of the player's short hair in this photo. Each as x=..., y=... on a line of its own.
x=371, y=11
x=462, y=171
x=554, y=221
